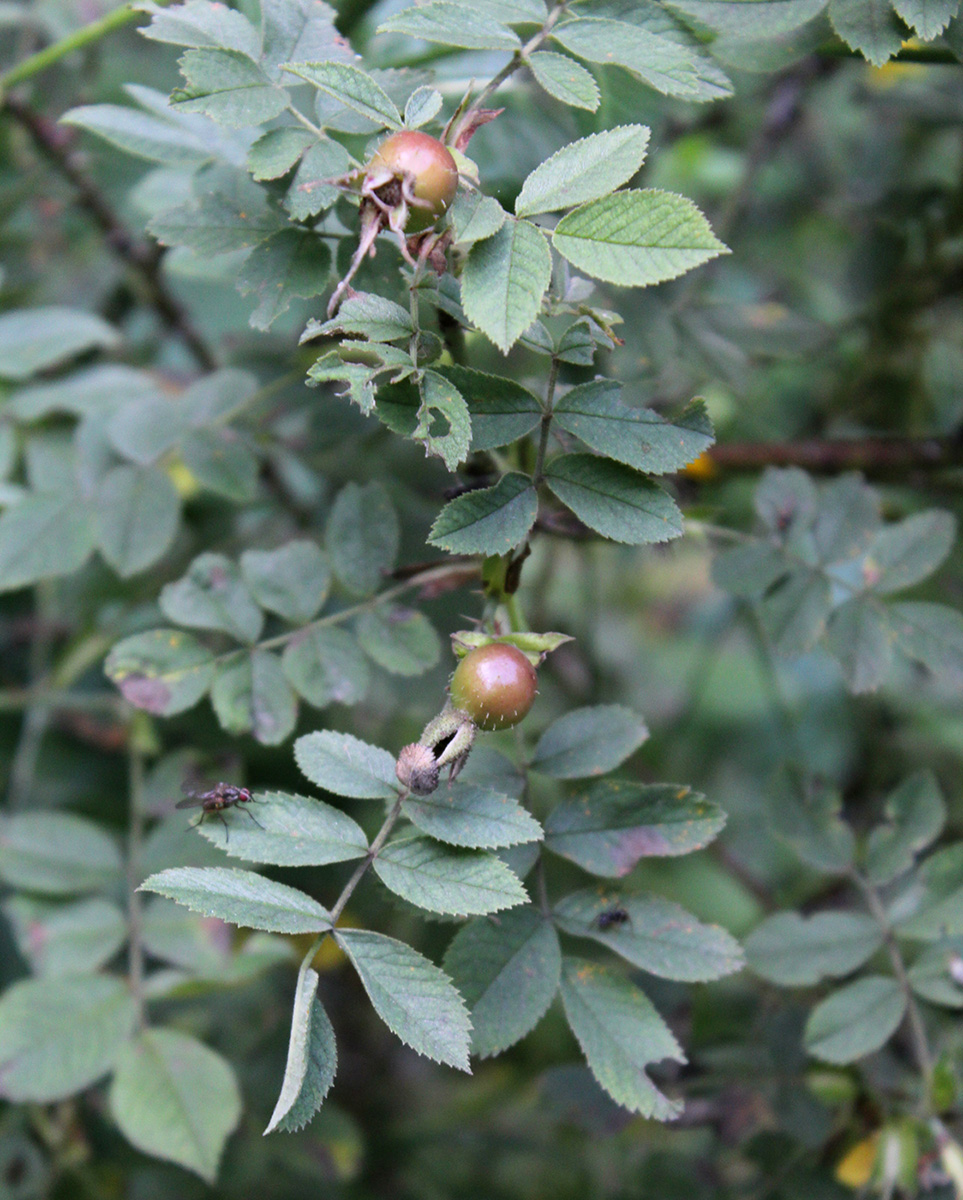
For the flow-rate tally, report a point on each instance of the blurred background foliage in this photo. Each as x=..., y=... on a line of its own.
x=838, y=187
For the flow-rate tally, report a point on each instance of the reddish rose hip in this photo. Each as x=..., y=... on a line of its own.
x=428, y=169
x=495, y=685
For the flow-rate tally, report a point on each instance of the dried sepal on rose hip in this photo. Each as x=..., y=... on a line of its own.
x=408, y=184
x=417, y=769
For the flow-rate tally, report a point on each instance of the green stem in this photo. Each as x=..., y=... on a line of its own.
x=546, y=427
x=914, y=1018
x=77, y=40
x=517, y=60
x=345, y=614
x=359, y=873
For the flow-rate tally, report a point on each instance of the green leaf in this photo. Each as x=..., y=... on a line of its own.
x=136, y=513
x=359, y=367
x=847, y=515
x=584, y=170
x=201, y=24
x=932, y=907
x=401, y=640
x=295, y=832
x=798, y=951
x=412, y=996
x=474, y=217
x=668, y=65
x=312, y=1059
x=658, y=936
x=929, y=633
x=638, y=437
x=609, y=826
x=794, y=612
x=636, y=238
x=212, y=595
x=303, y=30
x=196, y=944
x=361, y=537
x=488, y=520
x=346, y=766
x=508, y=972
x=504, y=280
x=857, y=633
x=35, y=339
x=927, y=17
x=502, y=411
x=564, y=79
x=589, y=741
x=444, y=424
x=786, y=501
x=275, y=152
x=147, y=427
x=366, y=315
x=44, y=536
x=57, y=853
x=216, y=224
x=86, y=391
x=164, y=671
x=766, y=18
x=311, y=191
x=930, y=975
x=460, y=882
x=856, y=1020
x=465, y=814
x=869, y=26
x=749, y=570
x=453, y=25
x=241, y=898
x=144, y=135
x=350, y=87
x=424, y=104
x=292, y=581
x=228, y=87
x=58, y=1036
x=620, y=1034
x=614, y=500
x=175, y=1099
x=251, y=695
x=290, y=265
x=806, y=814
x=325, y=666
x=914, y=816
x=222, y=462
x=64, y=939
x=910, y=551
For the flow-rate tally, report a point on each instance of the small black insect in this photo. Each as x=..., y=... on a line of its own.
x=213, y=802
x=612, y=918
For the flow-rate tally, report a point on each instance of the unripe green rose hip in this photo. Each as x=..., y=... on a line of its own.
x=494, y=685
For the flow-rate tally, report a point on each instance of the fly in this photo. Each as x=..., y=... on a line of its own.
x=612, y=918
x=214, y=802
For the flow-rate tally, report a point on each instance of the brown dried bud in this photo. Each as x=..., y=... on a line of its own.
x=417, y=769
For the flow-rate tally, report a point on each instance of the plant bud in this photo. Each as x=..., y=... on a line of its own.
x=417, y=769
